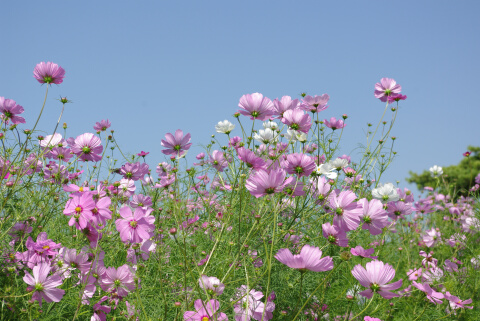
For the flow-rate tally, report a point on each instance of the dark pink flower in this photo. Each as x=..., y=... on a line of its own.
x=134, y=171
x=456, y=303
x=375, y=277
x=299, y=164
x=396, y=97
x=9, y=110
x=308, y=259
x=143, y=154
x=249, y=158
x=45, y=286
x=176, y=145
x=48, y=73
x=80, y=209
x=360, y=251
x=432, y=295
x=334, y=235
x=256, y=106
x=386, y=87
x=264, y=182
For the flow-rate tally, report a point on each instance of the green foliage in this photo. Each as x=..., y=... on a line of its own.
x=456, y=179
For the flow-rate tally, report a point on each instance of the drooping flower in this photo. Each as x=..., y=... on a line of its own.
x=308, y=259
x=256, y=106
x=9, y=110
x=176, y=145
x=334, y=235
x=396, y=97
x=432, y=295
x=45, y=286
x=375, y=277
x=456, y=303
x=49, y=73
x=386, y=87
x=205, y=311
x=224, y=127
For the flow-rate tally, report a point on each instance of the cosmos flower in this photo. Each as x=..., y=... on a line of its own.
x=375, y=277
x=135, y=227
x=334, y=123
x=224, y=127
x=45, y=286
x=10, y=110
x=297, y=120
x=386, y=87
x=308, y=259
x=205, y=311
x=256, y=106
x=315, y=104
x=176, y=145
x=87, y=147
x=48, y=73
x=102, y=125
x=264, y=182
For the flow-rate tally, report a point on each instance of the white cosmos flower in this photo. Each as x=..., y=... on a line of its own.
x=266, y=136
x=295, y=136
x=224, y=127
x=327, y=170
x=386, y=193
x=270, y=124
x=436, y=170
x=339, y=163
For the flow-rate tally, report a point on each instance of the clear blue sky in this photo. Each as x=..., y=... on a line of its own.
x=151, y=67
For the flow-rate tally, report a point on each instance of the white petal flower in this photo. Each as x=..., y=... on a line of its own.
x=327, y=170
x=339, y=163
x=266, y=136
x=436, y=170
x=295, y=136
x=224, y=127
x=386, y=193
x=270, y=124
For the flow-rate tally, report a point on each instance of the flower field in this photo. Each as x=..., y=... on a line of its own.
x=270, y=222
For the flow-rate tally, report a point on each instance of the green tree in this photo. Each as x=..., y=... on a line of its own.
x=456, y=179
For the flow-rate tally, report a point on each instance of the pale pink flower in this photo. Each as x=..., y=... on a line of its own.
x=118, y=281
x=87, y=147
x=308, y=259
x=284, y=104
x=211, y=284
x=365, y=253
x=299, y=164
x=176, y=145
x=375, y=277
x=334, y=235
x=374, y=217
x=385, y=88
x=48, y=73
x=256, y=106
x=135, y=227
x=205, y=311
x=102, y=125
x=264, y=182
x=345, y=210
x=296, y=119
x=432, y=295
x=456, y=303
x=9, y=110
x=315, y=104
x=334, y=123
x=45, y=286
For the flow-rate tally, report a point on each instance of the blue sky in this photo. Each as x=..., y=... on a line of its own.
x=151, y=67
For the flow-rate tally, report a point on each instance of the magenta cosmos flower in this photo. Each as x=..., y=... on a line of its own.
x=135, y=227
x=102, y=125
x=87, y=147
x=386, y=87
x=308, y=259
x=79, y=207
x=373, y=215
x=45, y=287
x=432, y=295
x=9, y=110
x=345, y=210
x=334, y=123
x=256, y=106
x=267, y=182
x=49, y=73
x=176, y=145
x=205, y=312
x=299, y=164
x=375, y=278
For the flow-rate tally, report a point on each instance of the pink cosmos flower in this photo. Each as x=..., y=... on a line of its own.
x=367, y=318
x=256, y=106
x=43, y=250
x=80, y=209
x=334, y=235
x=249, y=158
x=360, y=251
x=414, y=274
x=45, y=286
x=315, y=104
x=296, y=119
x=300, y=164
x=334, y=123
x=249, y=305
x=432, y=295
x=456, y=303
x=176, y=145
x=308, y=259
x=432, y=237
x=396, y=97
x=284, y=104
x=386, y=87
x=118, y=281
x=375, y=277
x=399, y=209
x=87, y=147
x=374, y=217
x=345, y=210
x=134, y=171
x=101, y=212
x=135, y=227
x=218, y=160
x=264, y=182
x=211, y=284
x=102, y=125
x=205, y=312
x=49, y=73
x=9, y=110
